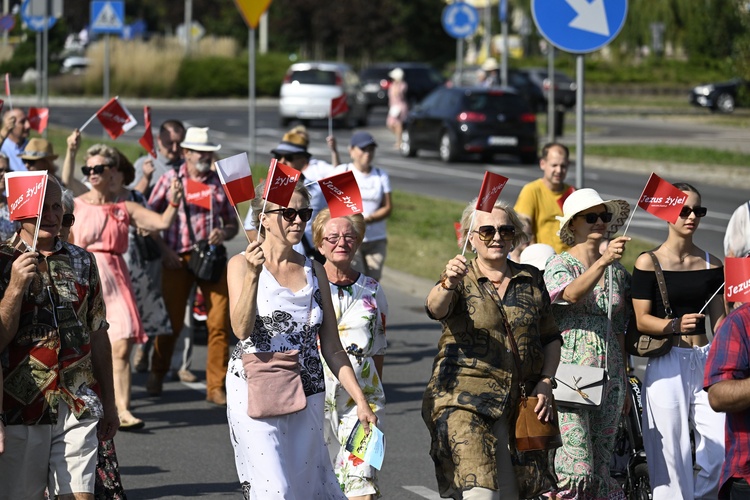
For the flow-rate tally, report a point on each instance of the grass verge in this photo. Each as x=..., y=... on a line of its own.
x=677, y=154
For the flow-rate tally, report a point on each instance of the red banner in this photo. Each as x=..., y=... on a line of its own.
x=25, y=194
x=237, y=178
x=197, y=193
x=147, y=140
x=339, y=106
x=342, y=194
x=492, y=184
x=281, y=182
x=662, y=199
x=38, y=118
x=737, y=279
x=115, y=118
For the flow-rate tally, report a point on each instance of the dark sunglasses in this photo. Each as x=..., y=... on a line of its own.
x=698, y=210
x=487, y=233
x=28, y=161
x=68, y=220
x=289, y=214
x=591, y=218
x=97, y=169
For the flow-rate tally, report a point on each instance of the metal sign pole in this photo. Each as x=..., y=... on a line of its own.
x=460, y=60
x=551, y=132
x=251, y=92
x=106, y=68
x=579, y=121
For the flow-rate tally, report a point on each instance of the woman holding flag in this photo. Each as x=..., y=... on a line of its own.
x=475, y=387
x=674, y=399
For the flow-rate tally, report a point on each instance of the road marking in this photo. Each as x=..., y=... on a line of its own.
x=423, y=492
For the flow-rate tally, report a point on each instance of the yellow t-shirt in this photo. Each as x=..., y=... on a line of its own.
x=537, y=202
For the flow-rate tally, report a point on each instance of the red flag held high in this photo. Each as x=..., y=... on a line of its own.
x=115, y=118
x=737, y=279
x=492, y=184
x=662, y=199
x=280, y=185
x=339, y=106
x=38, y=118
x=147, y=140
x=236, y=178
x=342, y=194
x=198, y=193
x=25, y=193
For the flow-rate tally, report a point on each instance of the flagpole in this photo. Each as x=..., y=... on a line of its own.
x=39, y=217
x=630, y=220
x=712, y=298
x=242, y=223
x=87, y=122
x=7, y=87
x=330, y=123
x=211, y=212
x=471, y=224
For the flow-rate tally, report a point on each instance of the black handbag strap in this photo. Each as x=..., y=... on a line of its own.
x=662, y=285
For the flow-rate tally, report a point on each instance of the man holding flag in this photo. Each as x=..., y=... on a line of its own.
x=168, y=157
x=14, y=135
x=58, y=396
x=216, y=225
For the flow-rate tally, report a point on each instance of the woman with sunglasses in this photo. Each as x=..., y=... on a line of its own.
x=104, y=232
x=674, y=399
x=586, y=287
x=279, y=300
x=361, y=309
x=474, y=391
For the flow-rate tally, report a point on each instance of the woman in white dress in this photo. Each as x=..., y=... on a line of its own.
x=361, y=308
x=280, y=301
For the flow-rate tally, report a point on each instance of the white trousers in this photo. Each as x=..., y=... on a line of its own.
x=674, y=403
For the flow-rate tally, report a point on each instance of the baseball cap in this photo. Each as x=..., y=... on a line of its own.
x=363, y=139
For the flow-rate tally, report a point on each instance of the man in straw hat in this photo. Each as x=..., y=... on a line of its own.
x=216, y=226
x=38, y=155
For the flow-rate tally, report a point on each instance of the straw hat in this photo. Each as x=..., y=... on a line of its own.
x=292, y=143
x=584, y=199
x=196, y=138
x=36, y=149
x=490, y=64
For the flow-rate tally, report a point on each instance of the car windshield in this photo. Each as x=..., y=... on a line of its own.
x=492, y=102
x=314, y=77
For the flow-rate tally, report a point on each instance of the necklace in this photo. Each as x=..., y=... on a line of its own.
x=681, y=257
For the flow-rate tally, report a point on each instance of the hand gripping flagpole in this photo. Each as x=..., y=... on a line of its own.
x=471, y=226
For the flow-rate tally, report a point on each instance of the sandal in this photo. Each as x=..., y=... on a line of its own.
x=130, y=423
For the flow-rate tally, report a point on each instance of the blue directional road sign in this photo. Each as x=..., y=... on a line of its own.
x=460, y=20
x=107, y=18
x=579, y=26
x=35, y=23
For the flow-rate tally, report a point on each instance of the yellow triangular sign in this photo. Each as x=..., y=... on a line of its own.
x=251, y=10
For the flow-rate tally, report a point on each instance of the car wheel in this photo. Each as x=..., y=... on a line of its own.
x=447, y=148
x=725, y=103
x=407, y=151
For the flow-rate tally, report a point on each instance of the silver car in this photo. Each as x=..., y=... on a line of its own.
x=309, y=88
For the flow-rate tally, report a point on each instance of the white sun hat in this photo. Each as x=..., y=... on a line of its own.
x=537, y=255
x=196, y=138
x=583, y=199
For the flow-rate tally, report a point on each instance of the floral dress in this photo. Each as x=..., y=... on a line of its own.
x=582, y=464
x=360, y=309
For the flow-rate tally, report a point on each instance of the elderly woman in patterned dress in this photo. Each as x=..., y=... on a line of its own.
x=474, y=391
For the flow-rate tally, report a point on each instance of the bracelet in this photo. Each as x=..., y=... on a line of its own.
x=173, y=204
x=675, y=331
x=444, y=285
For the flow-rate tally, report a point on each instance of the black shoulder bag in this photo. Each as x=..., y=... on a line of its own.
x=644, y=344
x=207, y=262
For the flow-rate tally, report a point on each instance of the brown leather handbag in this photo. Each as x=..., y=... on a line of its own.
x=644, y=344
x=532, y=433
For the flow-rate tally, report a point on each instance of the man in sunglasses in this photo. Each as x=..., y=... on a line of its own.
x=14, y=134
x=216, y=226
x=58, y=395
x=168, y=157
x=541, y=200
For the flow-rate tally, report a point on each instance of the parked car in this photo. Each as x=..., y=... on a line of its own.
x=722, y=97
x=420, y=78
x=309, y=87
x=462, y=120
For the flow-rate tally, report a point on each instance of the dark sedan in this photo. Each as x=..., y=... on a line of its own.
x=457, y=120
x=721, y=97
x=421, y=79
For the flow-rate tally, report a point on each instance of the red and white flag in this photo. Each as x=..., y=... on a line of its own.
x=342, y=194
x=662, y=199
x=197, y=193
x=38, y=118
x=339, y=106
x=25, y=193
x=236, y=178
x=147, y=139
x=737, y=279
x=492, y=184
x=281, y=182
x=115, y=118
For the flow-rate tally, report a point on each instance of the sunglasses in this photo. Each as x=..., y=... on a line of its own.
x=487, y=233
x=68, y=220
x=697, y=210
x=97, y=169
x=289, y=214
x=335, y=238
x=27, y=161
x=591, y=218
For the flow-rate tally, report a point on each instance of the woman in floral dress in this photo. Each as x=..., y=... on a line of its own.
x=579, y=281
x=361, y=308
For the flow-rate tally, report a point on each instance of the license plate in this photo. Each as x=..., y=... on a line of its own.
x=502, y=141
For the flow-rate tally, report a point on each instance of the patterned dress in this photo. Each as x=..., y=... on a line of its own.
x=582, y=464
x=360, y=309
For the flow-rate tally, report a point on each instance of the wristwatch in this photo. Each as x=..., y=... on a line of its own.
x=3, y=419
x=552, y=381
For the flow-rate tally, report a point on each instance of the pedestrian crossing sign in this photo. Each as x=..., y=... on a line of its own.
x=108, y=17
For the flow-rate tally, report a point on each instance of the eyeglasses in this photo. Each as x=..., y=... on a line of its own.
x=698, y=210
x=335, y=238
x=97, y=169
x=591, y=218
x=289, y=214
x=68, y=220
x=487, y=233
